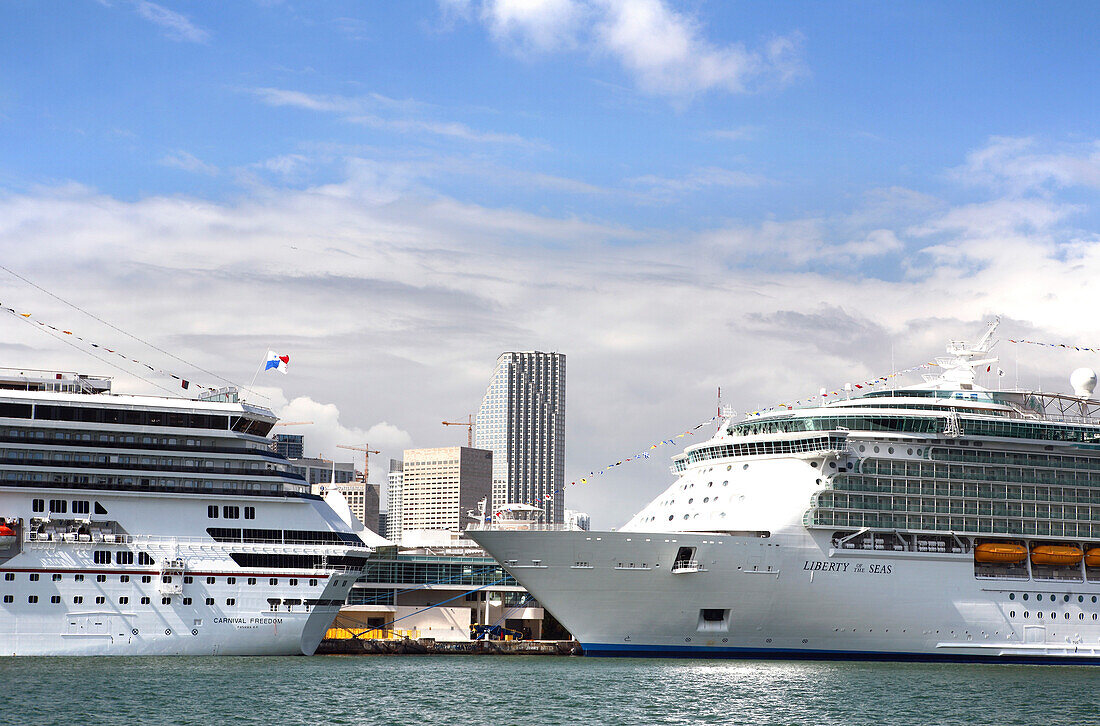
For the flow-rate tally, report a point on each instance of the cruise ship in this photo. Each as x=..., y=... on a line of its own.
x=142, y=525
x=942, y=521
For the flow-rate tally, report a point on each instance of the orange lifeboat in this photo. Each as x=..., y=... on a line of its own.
x=1092, y=557
x=1002, y=552
x=1056, y=555
x=7, y=536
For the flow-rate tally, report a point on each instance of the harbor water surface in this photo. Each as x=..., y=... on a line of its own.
x=536, y=690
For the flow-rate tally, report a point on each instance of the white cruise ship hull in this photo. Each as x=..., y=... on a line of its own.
x=792, y=596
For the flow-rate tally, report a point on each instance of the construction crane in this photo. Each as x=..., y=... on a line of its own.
x=469, y=424
x=367, y=451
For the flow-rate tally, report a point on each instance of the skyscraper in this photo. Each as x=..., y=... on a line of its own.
x=288, y=445
x=522, y=421
x=393, y=495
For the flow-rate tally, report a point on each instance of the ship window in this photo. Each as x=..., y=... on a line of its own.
x=1065, y=598
x=1025, y=596
x=9, y=575
x=146, y=579
x=165, y=578
x=230, y=601
x=313, y=583
x=187, y=579
x=32, y=598
x=9, y=598
x=100, y=600
x=124, y=558
x=210, y=581
x=99, y=508
x=123, y=600
x=166, y=601
x=1011, y=596
x=55, y=599
x=249, y=512
x=78, y=578
x=231, y=581
x=212, y=511
x=81, y=506
x=34, y=577
x=209, y=601
x=101, y=578
x=38, y=505
x=186, y=601
x=273, y=581
x=58, y=506
x=231, y=512
x=56, y=577
x=1012, y=613
x=124, y=578
x=144, y=558
x=1080, y=598
x=77, y=600
x=293, y=582
x=1025, y=613
x=101, y=557
x=252, y=581
x=144, y=601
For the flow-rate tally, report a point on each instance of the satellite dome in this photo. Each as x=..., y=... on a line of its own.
x=1083, y=381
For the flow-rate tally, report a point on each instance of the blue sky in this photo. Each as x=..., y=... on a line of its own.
x=679, y=195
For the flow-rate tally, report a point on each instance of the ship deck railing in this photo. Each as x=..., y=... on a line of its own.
x=32, y=537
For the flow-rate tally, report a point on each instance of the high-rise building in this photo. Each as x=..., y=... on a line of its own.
x=577, y=520
x=439, y=486
x=522, y=421
x=320, y=472
x=290, y=446
x=393, y=508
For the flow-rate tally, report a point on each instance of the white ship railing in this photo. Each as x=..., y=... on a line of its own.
x=142, y=539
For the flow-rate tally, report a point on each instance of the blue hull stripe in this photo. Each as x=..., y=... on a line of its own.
x=605, y=650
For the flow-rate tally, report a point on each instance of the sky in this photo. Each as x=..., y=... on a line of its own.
x=766, y=197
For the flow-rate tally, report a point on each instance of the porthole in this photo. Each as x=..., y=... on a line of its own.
x=722, y=514
x=890, y=450
x=1065, y=598
x=767, y=640
x=1039, y=614
x=862, y=447
x=1011, y=596
x=1067, y=616
x=832, y=464
x=685, y=516
x=691, y=499
x=726, y=483
x=1012, y=614
x=1094, y=598
x=710, y=484
x=706, y=499
x=729, y=467
x=1025, y=613
x=919, y=451
x=1080, y=616
x=670, y=517
x=744, y=466
x=909, y=451
x=813, y=464
x=876, y=449
x=1080, y=598
x=1025, y=596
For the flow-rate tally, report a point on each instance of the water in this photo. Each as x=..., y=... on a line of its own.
x=405, y=690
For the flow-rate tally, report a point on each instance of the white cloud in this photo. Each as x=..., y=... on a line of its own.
x=176, y=26
x=377, y=111
x=326, y=432
x=1020, y=165
x=703, y=178
x=740, y=133
x=188, y=162
x=664, y=50
x=393, y=303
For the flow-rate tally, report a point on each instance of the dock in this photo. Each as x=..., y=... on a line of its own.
x=428, y=646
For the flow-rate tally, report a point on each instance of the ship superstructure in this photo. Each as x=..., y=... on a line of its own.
x=939, y=521
x=135, y=525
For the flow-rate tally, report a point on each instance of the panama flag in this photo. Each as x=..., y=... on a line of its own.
x=276, y=361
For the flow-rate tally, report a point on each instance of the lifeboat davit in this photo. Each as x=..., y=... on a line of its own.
x=1056, y=555
x=7, y=536
x=1003, y=552
x=1092, y=557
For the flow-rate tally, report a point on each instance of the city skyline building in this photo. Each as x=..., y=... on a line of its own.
x=289, y=446
x=440, y=485
x=522, y=421
x=393, y=502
